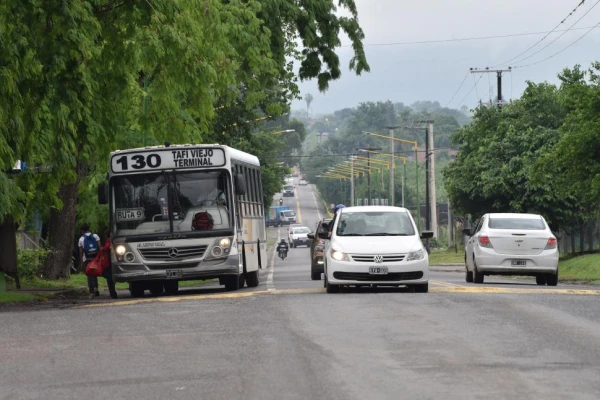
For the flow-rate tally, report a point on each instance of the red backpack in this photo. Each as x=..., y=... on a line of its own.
x=202, y=221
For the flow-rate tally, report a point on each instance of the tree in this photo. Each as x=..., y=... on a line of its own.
x=308, y=98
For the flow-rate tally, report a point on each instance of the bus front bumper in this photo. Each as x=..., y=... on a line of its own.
x=181, y=271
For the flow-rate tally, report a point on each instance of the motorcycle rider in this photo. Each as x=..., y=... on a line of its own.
x=280, y=201
x=282, y=247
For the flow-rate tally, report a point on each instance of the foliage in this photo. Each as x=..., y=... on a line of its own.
x=30, y=263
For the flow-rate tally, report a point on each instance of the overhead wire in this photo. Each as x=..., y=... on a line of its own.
x=548, y=34
x=558, y=52
x=457, y=90
x=562, y=34
x=467, y=95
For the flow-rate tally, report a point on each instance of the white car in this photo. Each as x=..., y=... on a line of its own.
x=302, y=182
x=375, y=245
x=511, y=244
x=298, y=236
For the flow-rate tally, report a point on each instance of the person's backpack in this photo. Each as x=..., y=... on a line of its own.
x=90, y=245
x=202, y=221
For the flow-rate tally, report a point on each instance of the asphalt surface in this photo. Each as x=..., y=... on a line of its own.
x=287, y=339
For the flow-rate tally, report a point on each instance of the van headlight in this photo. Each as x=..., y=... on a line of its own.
x=416, y=255
x=339, y=256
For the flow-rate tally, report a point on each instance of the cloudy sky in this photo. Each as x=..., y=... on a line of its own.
x=434, y=71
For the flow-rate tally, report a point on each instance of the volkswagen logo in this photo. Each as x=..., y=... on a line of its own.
x=172, y=252
x=378, y=259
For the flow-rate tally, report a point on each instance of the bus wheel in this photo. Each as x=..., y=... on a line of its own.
x=136, y=289
x=171, y=287
x=156, y=288
x=252, y=279
x=232, y=283
x=242, y=281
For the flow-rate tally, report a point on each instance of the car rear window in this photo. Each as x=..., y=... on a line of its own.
x=534, y=224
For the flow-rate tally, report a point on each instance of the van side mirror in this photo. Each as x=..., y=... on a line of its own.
x=426, y=235
x=323, y=235
x=102, y=193
x=240, y=184
x=467, y=231
x=311, y=236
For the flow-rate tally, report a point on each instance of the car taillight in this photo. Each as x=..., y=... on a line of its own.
x=484, y=241
x=551, y=244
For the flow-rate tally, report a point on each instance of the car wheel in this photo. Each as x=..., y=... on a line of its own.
x=315, y=275
x=156, y=288
x=232, y=283
x=477, y=276
x=171, y=287
x=468, y=275
x=252, y=279
x=540, y=280
x=332, y=288
x=552, y=279
x=136, y=289
x=422, y=288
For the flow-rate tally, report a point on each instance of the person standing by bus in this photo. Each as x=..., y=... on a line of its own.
x=107, y=265
x=89, y=246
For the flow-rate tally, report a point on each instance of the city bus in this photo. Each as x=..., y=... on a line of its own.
x=185, y=212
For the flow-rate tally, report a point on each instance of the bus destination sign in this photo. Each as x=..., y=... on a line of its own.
x=167, y=158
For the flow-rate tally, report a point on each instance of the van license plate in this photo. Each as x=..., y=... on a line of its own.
x=518, y=263
x=378, y=270
x=174, y=273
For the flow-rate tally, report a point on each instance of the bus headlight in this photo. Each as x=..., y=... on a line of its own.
x=120, y=250
x=220, y=248
x=224, y=243
x=129, y=257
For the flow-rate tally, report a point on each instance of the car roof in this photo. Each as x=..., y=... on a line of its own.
x=514, y=215
x=373, y=208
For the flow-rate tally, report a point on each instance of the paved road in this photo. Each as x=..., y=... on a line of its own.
x=287, y=339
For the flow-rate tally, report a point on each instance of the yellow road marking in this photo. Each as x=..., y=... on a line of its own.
x=442, y=283
x=298, y=208
x=445, y=289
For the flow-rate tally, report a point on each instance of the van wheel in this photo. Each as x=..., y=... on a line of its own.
x=136, y=289
x=540, y=280
x=232, y=283
x=315, y=275
x=171, y=287
x=252, y=279
x=156, y=288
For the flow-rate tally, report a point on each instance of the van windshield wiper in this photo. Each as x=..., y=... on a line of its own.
x=351, y=234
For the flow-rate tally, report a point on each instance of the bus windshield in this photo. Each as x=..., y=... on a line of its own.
x=171, y=202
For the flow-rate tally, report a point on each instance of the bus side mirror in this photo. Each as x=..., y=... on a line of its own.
x=102, y=193
x=426, y=235
x=311, y=236
x=467, y=231
x=240, y=184
x=323, y=235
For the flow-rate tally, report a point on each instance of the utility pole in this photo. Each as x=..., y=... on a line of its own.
x=392, y=152
x=352, y=181
x=498, y=77
x=433, y=199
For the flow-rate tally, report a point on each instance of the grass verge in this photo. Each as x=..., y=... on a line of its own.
x=446, y=256
x=581, y=268
x=17, y=297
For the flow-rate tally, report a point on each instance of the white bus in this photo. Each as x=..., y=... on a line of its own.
x=185, y=212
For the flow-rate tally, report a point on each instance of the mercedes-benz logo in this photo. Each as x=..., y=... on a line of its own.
x=378, y=259
x=172, y=252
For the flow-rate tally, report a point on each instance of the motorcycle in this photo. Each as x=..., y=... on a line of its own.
x=282, y=254
x=280, y=202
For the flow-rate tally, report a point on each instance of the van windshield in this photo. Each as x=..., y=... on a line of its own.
x=375, y=223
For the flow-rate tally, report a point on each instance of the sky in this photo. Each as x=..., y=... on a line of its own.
x=434, y=71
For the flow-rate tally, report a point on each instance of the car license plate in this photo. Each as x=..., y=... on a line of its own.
x=518, y=263
x=378, y=270
x=174, y=273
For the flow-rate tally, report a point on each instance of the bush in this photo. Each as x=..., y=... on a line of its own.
x=30, y=263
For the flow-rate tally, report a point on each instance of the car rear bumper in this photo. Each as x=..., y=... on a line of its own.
x=501, y=264
x=352, y=273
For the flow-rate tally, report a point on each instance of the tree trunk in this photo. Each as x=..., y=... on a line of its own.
x=590, y=231
x=61, y=229
x=581, y=239
x=572, y=234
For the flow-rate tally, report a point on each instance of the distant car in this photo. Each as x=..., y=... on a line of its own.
x=302, y=182
x=511, y=244
x=317, y=247
x=298, y=236
x=375, y=245
x=288, y=191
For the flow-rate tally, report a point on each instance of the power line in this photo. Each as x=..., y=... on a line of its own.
x=457, y=90
x=548, y=34
x=562, y=34
x=558, y=52
x=477, y=87
x=463, y=100
x=466, y=39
